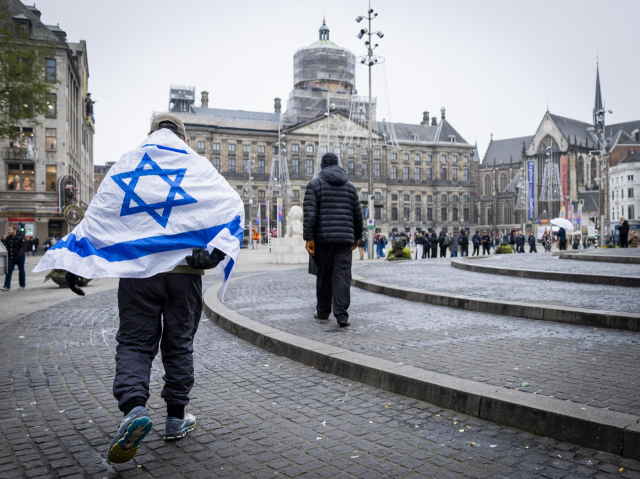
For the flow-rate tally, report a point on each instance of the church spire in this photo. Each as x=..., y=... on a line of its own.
x=598, y=104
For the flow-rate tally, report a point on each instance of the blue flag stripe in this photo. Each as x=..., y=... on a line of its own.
x=139, y=248
x=166, y=148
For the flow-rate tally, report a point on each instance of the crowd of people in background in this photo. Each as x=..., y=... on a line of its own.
x=433, y=244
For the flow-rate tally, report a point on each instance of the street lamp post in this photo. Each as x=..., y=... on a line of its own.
x=603, y=177
x=370, y=61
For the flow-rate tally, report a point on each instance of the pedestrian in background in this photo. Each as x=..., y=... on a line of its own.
x=520, y=242
x=486, y=244
x=47, y=244
x=426, y=245
x=454, y=245
x=476, y=240
x=623, y=229
x=434, y=244
x=532, y=243
x=29, y=249
x=16, y=246
x=463, y=241
x=562, y=239
x=362, y=243
x=419, y=245
x=332, y=229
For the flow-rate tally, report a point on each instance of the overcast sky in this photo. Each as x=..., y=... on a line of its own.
x=492, y=64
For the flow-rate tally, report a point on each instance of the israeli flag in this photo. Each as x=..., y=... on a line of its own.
x=156, y=204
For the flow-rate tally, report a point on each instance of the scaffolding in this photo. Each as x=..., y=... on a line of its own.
x=182, y=98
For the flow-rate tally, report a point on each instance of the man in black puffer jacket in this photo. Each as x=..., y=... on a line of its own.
x=332, y=228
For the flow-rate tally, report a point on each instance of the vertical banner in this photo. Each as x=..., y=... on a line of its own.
x=532, y=190
x=562, y=213
x=564, y=178
x=258, y=218
x=266, y=211
x=279, y=210
x=570, y=213
x=579, y=215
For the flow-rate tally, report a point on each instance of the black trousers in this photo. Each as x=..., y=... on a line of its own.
x=434, y=252
x=443, y=252
x=425, y=251
x=163, y=310
x=532, y=248
x=486, y=249
x=333, y=283
x=476, y=250
x=624, y=240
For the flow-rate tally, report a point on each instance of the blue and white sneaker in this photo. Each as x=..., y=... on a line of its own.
x=175, y=428
x=133, y=428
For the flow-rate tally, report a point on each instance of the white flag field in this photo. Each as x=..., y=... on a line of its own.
x=155, y=205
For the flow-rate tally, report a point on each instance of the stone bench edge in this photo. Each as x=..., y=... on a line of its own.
x=582, y=425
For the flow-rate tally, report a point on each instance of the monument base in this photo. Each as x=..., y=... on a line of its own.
x=289, y=251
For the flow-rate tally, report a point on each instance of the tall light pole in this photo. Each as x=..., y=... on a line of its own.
x=603, y=177
x=370, y=61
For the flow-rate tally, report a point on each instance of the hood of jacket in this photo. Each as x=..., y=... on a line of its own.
x=334, y=175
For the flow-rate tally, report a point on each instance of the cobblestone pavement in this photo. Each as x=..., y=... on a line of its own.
x=544, y=262
x=578, y=363
x=259, y=415
x=439, y=275
x=615, y=251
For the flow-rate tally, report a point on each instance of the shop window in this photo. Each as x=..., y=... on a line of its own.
x=20, y=177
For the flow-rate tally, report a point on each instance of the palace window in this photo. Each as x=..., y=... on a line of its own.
x=309, y=148
x=261, y=149
x=394, y=197
x=429, y=174
x=454, y=174
x=429, y=158
x=443, y=174
x=200, y=146
x=455, y=214
x=443, y=158
x=454, y=198
x=232, y=165
x=377, y=212
x=405, y=198
x=376, y=170
x=215, y=147
x=394, y=156
x=429, y=198
x=405, y=157
x=417, y=172
x=309, y=167
x=363, y=168
x=443, y=198
x=351, y=151
x=261, y=165
x=465, y=160
x=245, y=165
x=406, y=213
x=245, y=148
x=295, y=148
x=376, y=153
x=417, y=158
x=418, y=214
x=405, y=173
x=295, y=165
x=454, y=159
x=443, y=214
x=231, y=147
x=394, y=214
x=323, y=150
x=465, y=175
x=429, y=214
x=394, y=172
x=216, y=163
x=418, y=198
x=352, y=168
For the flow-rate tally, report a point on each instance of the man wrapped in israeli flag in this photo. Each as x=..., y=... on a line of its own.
x=160, y=218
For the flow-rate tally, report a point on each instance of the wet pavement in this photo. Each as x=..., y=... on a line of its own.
x=577, y=363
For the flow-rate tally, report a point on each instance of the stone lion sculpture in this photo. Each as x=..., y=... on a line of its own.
x=294, y=222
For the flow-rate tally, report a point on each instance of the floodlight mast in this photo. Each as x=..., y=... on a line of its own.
x=367, y=31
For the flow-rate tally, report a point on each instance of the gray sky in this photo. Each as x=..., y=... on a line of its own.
x=492, y=64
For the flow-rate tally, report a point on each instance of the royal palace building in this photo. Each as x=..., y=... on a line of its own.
x=423, y=176
x=46, y=179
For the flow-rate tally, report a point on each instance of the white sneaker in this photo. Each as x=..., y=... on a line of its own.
x=4, y=289
x=21, y=288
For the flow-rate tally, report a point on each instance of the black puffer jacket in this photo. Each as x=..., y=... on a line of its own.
x=16, y=246
x=332, y=212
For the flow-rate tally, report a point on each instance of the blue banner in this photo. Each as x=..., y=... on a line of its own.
x=532, y=191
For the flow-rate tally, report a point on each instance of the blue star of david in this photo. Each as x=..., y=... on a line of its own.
x=148, y=167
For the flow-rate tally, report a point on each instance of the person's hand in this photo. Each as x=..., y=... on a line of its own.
x=201, y=259
x=311, y=247
x=355, y=244
x=72, y=281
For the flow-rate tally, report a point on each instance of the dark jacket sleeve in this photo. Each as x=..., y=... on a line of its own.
x=310, y=209
x=357, y=214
